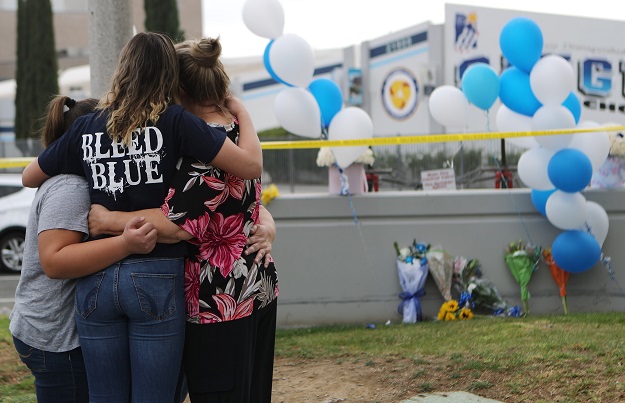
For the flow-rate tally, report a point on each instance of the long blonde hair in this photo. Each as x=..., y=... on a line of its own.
x=202, y=75
x=145, y=82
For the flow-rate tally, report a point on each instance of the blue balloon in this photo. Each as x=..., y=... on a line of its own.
x=329, y=98
x=575, y=251
x=268, y=64
x=572, y=104
x=516, y=93
x=539, y=200
x=521, y=42
x=570, y=170
x=480, y=84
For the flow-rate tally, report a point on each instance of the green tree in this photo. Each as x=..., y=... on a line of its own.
x=36, y=75
x=162, y=16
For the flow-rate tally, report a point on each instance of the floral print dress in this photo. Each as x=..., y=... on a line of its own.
x=219, y=209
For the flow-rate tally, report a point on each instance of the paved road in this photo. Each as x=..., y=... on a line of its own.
x=7, y=292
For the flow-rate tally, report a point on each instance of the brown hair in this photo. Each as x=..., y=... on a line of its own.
x=202, y=75
x=58, y=120
x=145, y=82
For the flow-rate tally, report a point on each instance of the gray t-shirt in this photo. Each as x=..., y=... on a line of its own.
x=43, y=315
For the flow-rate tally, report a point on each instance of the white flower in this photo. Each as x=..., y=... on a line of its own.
x=404, y=253
x=471, y=287
x=325, y=157
x=617, y=144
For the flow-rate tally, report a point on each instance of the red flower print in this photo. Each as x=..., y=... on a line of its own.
x=197, y=227
x=224, y=241
x=192, y=286
x=165, y=206
x=232, y=186
x=229, y=308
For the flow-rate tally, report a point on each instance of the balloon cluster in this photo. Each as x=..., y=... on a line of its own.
x=307, y=106
x=536, y=94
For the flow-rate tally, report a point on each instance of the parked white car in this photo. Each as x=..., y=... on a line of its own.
x=15, y=201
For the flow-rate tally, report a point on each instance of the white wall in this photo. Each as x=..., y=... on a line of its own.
x=334, y=271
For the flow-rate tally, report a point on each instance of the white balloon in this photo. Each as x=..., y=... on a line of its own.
x=508, y=120
x=532, y=168
x=553, y=117
x=293, y=60
x=596, y=145
x=349, y=124
x=566, y=210
x=449, y=107
x=264, y=17
x=297, y=111
x=597, y=221
x=552, y=79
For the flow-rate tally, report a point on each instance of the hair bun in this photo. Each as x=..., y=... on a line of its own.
x=70, y=102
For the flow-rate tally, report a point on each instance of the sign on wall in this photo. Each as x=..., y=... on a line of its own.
x=398, y=67
x=595, y=48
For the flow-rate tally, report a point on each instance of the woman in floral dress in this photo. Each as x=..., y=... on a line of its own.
x=230, y=299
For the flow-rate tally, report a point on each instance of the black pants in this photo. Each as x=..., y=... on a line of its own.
x=232, y=361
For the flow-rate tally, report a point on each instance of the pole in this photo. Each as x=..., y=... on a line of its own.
x=110, y=27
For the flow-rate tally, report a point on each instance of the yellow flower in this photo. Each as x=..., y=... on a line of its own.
x=451, y=305
x=465, y=313
x=268, y=194
x=441, y=314
x=450, y=316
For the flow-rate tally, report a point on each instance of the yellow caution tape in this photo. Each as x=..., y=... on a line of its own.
x=386, y=141
x=15, y=162
x=426, y=138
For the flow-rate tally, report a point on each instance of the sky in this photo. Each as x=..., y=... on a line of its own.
x=329, y=24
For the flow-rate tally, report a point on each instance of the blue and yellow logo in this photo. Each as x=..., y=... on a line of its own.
x=400, y=94
x=466, y=32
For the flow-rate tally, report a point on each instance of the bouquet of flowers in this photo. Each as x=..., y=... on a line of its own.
x=325, y=157
x=522, y=259
x=451, y=310
x=441, y=269
x=560, y=277
x=412, y=269
x=611, y=174
x=617, y=144
x=477, y=292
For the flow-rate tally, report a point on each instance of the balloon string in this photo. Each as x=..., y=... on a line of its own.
x=506, y=185
x=345, y=192
x=607, y=263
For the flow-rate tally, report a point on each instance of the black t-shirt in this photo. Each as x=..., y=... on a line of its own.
x=134, y=177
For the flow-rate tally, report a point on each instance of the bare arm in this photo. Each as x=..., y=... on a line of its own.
x=104, y=221
x=33, y=176
x=63, y=255
x=244, y=160
x=261, y=237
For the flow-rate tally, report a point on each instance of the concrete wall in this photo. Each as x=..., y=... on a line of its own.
x=332, y=270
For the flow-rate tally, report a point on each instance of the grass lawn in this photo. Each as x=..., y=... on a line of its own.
x=563, y=358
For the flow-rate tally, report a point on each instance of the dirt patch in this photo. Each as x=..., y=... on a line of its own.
x=393, y=379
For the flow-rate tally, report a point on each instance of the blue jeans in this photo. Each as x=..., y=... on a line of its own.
x=59, y=377
x=131, y=323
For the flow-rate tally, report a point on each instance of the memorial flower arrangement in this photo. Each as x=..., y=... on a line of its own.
x=451, y=310
x=412, y=270
x=611, y=174
x=441, y=269
x=325, y=157
x=522, y=259
x=477, y=292
x=617, y=144
x=560, y=276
